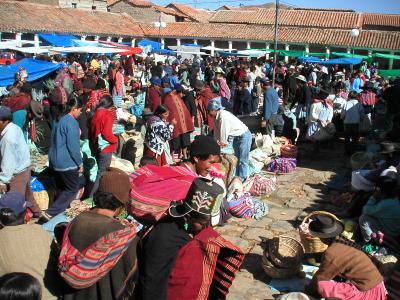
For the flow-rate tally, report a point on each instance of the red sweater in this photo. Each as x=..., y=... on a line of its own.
x=102, y=123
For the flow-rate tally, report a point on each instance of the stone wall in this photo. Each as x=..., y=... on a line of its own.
x=100, y=5
x=141, y=14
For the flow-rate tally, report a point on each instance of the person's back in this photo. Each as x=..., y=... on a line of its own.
x=271, y=103
x=353, y=112
x=27, y=248
x=351, y=264
x=64, y=148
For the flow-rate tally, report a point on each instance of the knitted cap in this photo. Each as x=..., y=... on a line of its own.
x=116, y=182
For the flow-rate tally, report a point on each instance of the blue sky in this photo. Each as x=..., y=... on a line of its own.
x=378, y=6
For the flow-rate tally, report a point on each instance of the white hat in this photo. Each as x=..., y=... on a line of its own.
x=301, y=78
x=219, y=70
x=360, y=183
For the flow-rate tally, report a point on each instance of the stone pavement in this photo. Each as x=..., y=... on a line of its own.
x=297, y=193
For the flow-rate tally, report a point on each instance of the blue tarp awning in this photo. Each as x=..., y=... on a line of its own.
x=309, y=59
x=59, y=40
x=156, y=47
x=36, y=69
x=342, y=61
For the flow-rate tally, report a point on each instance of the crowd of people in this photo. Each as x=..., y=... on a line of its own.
x=190, y=112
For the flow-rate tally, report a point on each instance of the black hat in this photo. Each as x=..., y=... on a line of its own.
x=324, y=226
x=323, y=94
x=203, y=145
x=204, y=197
x=264, y=81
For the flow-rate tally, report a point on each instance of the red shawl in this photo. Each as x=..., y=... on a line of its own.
x=205, y=268
x=202, y=100
x=17, y=101
x=178, y=111
x=153, y=98
x=154, y=188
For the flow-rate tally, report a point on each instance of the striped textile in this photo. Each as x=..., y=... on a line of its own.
x=213, y=258
x=83, y=269
x=282, y=165
x=154, y=188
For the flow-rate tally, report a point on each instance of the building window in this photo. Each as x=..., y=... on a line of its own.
x=93, y=7
x=74, y=5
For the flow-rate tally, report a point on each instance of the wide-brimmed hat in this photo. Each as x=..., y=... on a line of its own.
x=387, y=147
x=218, y=70
x=301, y=78
x=324, y=226
x=36, y=109
x=198, y=85
x=204, y=197
x=359, y=160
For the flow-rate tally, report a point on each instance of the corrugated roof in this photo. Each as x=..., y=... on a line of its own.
x=288, y=17
x=30, y=17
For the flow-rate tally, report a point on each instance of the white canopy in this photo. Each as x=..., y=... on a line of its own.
x=86, y=49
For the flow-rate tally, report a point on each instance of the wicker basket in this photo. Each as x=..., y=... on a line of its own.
x=42, y=199
x=310, y=243
x=289, y=151
x=274, y=272
x=285, y=252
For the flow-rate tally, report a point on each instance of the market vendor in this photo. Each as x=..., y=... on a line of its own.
x=227, y=125
x=343, y=258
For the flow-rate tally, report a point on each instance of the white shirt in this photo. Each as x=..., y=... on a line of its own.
x=226, y=124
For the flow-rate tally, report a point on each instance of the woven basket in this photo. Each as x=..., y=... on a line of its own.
x=310, y=243
x=42, y=199
x=285, y=252
x=274, y=272
x=289, y=151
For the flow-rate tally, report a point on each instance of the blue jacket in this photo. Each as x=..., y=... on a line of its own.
x=65, y=150
x=271, y=103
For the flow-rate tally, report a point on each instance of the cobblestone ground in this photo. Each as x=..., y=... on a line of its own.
x=297, y=194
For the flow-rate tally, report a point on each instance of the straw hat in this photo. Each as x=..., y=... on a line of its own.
x=301, y=78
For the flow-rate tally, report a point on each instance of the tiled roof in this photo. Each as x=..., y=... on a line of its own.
x=381, y=20
x=138, y=3
x=198, y=15
x=296, y=35
x=30, y=17
x=288, y=17
x=169, y=11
